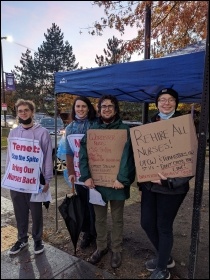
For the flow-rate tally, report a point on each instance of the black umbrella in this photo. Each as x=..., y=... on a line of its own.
x=72, y=211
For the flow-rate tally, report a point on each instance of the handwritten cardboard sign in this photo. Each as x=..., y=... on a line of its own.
x=168, y=147
x=23, y=171
x=105, y=148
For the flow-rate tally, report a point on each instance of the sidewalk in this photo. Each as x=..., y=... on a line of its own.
x=51, y=264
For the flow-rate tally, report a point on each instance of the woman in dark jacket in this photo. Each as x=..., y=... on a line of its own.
x=162, y=198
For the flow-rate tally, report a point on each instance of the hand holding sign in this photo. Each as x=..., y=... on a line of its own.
x=162, y=177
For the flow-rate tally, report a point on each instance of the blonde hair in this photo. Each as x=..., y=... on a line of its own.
x=28, y=103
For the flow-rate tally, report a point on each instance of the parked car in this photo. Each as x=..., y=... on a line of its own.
x=49, y=124
x=38, y=116
x=3, y=122
x=132, y=123
x=10, y=121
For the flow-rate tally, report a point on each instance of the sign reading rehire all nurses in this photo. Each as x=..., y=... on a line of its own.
x=168, y=147
x=23, y=171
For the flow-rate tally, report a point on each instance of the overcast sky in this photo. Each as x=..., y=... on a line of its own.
x=27, y=21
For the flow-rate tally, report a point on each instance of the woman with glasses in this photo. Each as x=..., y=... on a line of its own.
x=162, y=198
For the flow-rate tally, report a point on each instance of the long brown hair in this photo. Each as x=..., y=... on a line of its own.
x=91, y=112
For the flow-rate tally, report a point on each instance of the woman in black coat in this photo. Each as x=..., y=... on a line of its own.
x=162, y=198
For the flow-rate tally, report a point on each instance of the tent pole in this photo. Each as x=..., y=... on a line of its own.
x=56, y=185
x=200, y=166
x=145, y=106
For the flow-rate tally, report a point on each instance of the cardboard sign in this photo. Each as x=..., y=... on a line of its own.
x=168, y=147
x=105, y=148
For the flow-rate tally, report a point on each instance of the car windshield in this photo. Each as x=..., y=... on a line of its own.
x=50, y=122
x=40, y=115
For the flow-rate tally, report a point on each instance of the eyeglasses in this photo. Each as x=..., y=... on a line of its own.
x=23, y=111
x=104, y=107
x=163, y=101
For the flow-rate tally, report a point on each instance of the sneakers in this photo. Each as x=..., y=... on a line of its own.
x=38, y=247
x=152, y=264
x=87, y=240
x=17, y=247
x=160, y=274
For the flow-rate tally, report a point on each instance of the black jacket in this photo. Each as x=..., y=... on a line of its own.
x=171, y=185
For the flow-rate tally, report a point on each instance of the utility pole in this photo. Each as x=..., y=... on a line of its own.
x=3, y=85
x=147, y=37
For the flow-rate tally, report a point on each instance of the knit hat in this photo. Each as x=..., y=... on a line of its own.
x=170, y=91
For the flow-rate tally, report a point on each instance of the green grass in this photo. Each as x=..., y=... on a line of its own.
x=3, y=141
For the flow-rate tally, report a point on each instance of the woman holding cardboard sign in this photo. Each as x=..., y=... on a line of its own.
x=113, y=186
x=162, y=198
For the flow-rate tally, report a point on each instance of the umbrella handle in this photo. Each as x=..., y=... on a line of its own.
x=73, y=187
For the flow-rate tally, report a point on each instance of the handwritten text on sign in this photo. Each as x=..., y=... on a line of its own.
x=23, y=170
x=105, y=148
x=168, y=147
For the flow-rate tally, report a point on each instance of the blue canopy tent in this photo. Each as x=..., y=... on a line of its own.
x=186, y=71
x=138, y=81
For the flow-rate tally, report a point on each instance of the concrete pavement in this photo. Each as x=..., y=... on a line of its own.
x=51, y=264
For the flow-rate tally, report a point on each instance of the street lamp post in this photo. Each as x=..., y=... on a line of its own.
x=3, y=85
